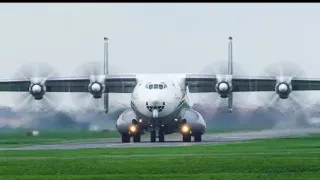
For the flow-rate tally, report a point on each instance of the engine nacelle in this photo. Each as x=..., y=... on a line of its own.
x=223, y=88
x=193, y=120
x=283, y=89
x=97, y=85
x=125, y=121
x=37, y=90
x=96, y=89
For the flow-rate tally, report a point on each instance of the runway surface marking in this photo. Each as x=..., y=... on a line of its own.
x=175, y=140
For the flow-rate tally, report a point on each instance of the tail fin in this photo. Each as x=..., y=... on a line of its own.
x=230, y=72
x=106, y=72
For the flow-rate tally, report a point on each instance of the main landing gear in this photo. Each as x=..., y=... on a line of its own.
x=133, y=131
x=186, y=132
x=127, y=137
x=197, y=137
x=187, y=137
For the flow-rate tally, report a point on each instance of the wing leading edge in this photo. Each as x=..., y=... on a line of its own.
x=202, y=83
x=114, y=84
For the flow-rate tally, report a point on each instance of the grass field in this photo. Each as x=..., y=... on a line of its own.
x=18, y=138
x=286, y=158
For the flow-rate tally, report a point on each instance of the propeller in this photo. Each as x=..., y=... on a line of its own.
x=37, y=98
x=284, y=101
x=87, y=101
x=284, y=71
x=212, y=102
x=313, y=120
x=93, y=101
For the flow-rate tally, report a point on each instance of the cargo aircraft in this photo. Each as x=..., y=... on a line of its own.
x=159, y=102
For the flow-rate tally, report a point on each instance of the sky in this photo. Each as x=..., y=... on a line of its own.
x=152, y=38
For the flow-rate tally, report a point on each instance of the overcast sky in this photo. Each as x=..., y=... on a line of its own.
x=146, y=38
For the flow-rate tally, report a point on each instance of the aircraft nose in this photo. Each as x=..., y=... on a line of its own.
x=155, y=102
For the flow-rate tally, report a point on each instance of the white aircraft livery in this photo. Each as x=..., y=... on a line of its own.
x=159, y=102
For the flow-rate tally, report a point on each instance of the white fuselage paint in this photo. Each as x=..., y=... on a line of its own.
x=169, y=97
x=170, y=100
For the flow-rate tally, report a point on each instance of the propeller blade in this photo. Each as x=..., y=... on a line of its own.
x=288, y=69
x=36, y=72
x=220, y=104
x=90, y=69
x=291, y=109
x=85, y=101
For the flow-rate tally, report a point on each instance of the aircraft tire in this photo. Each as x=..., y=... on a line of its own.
x=137, y=138
x=161, y=135
x=153, y=136
x=125, y=138
x=186, y=138
x=197, y=138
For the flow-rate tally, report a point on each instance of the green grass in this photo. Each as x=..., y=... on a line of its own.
x=19, y=138
x=286, y=158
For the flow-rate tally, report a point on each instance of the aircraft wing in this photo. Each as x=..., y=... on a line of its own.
x=201, y=83
x=114, y=84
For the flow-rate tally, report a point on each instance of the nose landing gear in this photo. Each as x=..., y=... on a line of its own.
x=157, y=132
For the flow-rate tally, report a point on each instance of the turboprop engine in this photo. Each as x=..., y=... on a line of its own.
x=224, y=85
x=283, y=87
x=97, y=86
x=37, y=89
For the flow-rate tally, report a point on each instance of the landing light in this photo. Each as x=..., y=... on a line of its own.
x=140, y=120
x=133, y=128
x=185, y=129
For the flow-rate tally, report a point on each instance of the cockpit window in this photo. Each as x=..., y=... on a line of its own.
x=156, y=86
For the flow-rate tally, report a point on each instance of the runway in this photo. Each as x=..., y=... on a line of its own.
x=175, y=140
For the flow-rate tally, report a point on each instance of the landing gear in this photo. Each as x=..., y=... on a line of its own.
x=137, y=138
x=125, y=138
x=153, y=136
x=186, y=138
x=161, y=135
x=197, y=137
x=154, y=132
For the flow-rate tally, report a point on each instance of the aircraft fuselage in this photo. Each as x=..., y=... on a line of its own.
x=159, y=104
